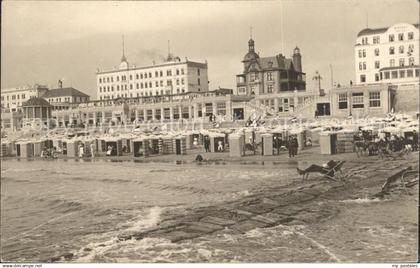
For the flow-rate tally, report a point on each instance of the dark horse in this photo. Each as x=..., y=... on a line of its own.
x=253, y=147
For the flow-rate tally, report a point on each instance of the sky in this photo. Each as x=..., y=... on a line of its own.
x=42, y=42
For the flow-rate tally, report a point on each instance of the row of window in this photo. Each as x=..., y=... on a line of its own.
x=142, y=94
x=392, y=75
x=13, y=97
x=357, y=100
x=401, y=62
x=146, y=75
x=401, y=49
x=410, y=50
x=376, y=39
x=144, y=85
x=399, y=74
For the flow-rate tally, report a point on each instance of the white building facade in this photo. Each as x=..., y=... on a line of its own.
x=13, y=98
x=387, y=55
x=174, y=76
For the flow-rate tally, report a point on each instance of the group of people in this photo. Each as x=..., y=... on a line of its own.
x=381, y=143
x=291, y=143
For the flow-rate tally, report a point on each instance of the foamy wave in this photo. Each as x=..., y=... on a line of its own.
x=362, y=201
x=142, y=222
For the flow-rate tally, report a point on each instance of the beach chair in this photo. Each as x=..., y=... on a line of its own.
x=330, y=171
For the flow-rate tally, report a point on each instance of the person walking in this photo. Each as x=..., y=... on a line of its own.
x=81, y=151
x=220, y=146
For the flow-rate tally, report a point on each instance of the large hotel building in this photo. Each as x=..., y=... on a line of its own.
x=389, y=55
x=174, y=76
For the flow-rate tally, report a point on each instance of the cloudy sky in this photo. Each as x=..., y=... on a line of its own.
x=46, y=41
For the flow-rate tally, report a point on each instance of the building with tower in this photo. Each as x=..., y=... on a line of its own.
x=173, y=76
x=276, y=82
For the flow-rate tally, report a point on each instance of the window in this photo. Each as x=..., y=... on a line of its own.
x=360, y=66
x=410, y=50
x=112, y=88
x=198, y=71
x=118, y=88
x=252, y=77
x=182, y=71
x=342, y=101
x=377, y=64
x=100, y=80
x=376, y=51
x=375, y=99
x=177, y=71
x=150, y=75
x=168, y=82
x=161, y=83
x=411, y=61
x=417, y=72
x=23, y=96
x=410, y=36
x=150, y=84
x=394, y=74
x=409, y=73
x=161, y=73
x=118, y=78
x=364, y=41
x=157, y=83
x=198, y=81
x=156, y=73
x=145, y=85
x=376, y=77
x=402, y=73
x=391, y=63
x=364, y=65
x=270, y=89
x=112, y=79
x=362, y=78
x=141, y=85
x=168, y=72
x=137, y=86
x=182, y=81
x=145, y=75
x=376, y=39
x=141, y=76
x=401, y=37
x=401, y=61
x=177, y=82
x=270, y=76
x=391, y=38
x=131, y=86
x=107, y=79
x=357, y=100
x=401, y=49
x=360, y=53
x=391, y=51
x=137, y=76
x=364, y=53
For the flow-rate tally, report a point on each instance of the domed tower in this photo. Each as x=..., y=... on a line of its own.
x=251, y=56
x=297, y=59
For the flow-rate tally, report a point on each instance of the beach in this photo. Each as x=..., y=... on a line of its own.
x=170, y=209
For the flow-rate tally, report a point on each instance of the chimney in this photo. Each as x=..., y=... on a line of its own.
x=60, y=84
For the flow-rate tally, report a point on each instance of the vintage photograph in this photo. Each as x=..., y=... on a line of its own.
x=209, y=131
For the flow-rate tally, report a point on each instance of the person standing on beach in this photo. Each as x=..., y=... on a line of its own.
x=207, y=144
x=290, y=147
x=295, y=146
x=92, y=150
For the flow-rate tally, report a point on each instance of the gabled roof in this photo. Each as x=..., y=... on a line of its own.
x=67, y=91
x=36, y=102
x=274, y=62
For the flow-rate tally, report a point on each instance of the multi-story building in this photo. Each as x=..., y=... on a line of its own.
x=174, y=76
x=388, y=55
x=61, y=98
x=13, y=98
x=276, y=82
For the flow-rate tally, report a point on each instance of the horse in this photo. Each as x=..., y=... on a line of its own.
x=361, y=147
x=253, y=147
